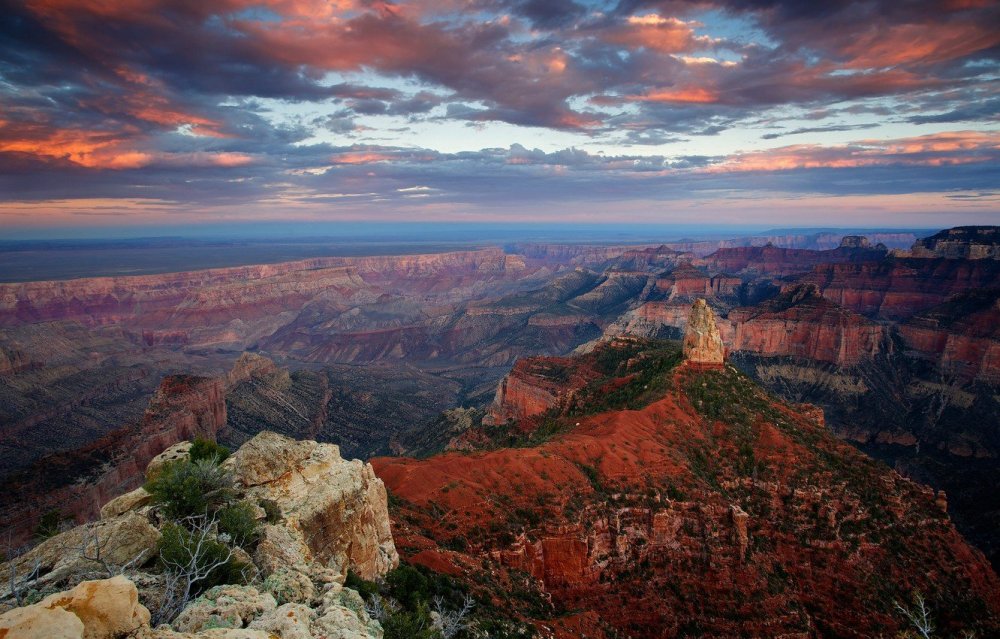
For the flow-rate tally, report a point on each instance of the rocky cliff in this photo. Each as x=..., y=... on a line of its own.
x=75, y=483
x=704, y=506
x=962, y=242
x=961, y=336
x=774, y=261
x=802, y=323
x=895, y=289
x=327, y=516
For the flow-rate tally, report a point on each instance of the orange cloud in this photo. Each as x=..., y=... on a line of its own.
x=691, y=95
x=360, y=157
x=937, y=149
x=656, y=33
x=925, y=43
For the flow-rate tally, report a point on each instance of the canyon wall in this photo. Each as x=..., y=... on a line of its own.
x=75, y=483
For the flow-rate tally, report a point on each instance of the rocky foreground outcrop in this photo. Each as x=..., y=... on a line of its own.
x=328, y=515
x=335, y=509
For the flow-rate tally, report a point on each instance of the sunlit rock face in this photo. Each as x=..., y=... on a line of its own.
x=702, y=341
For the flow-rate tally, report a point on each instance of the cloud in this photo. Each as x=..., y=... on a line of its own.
x=229, y=101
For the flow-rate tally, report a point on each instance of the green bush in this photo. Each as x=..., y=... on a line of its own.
x=185, y=489
x=49, y=525
x=207, y=449
x=364, y=588
x=410, y=625
x=177, y=545
x=272, y=511
x=239, y=521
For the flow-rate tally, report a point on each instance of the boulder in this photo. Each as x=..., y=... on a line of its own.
x=290, y=585
x=36, y=622
x=289, y=621
x=702, y=341
x=120, y=539
x=280, y=547
x=92, y=610
x=180, y=450
x=342, y=616
x=124, y=503
x=338, y=507
x=269, y=456
x=225, y=606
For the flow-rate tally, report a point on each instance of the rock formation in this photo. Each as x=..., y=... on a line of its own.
x=702, y=342
x=802, y=323
x=707, y=504
x=963, y=242
x=855, y=241
x=336, y=507
x=329, y=516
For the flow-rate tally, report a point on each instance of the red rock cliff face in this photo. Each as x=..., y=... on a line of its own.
x=655, y=520
x=895, y=289
x=801, y=323
x=962, y=336
x=534, y=386
x=774, y=261
x=77, y=483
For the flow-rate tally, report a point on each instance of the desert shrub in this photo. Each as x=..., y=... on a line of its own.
x=239, y=521
x=414, y=624
x=198, y=554
x=189, y=488
x=50, y=524
x=413, y=592
x=364, y=588
x=207, y=449
x=272, y=511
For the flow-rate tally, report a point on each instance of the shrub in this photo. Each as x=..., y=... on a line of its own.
x=272, y=511
x=207, y=449
x=50, y=524
x=239, y=521
x=186, y=489
x=410, y=625
x=199, y=554
x=365, y=588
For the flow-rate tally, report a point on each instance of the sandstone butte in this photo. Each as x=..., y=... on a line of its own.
x=665, y=499
x=702, y=341
x=333, y=518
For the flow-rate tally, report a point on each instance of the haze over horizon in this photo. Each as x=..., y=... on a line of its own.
x=134, y=118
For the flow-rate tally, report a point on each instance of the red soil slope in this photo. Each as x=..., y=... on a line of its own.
x=714, y=510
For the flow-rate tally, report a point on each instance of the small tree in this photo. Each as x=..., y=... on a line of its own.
x=919, y=616
x=93, y=549
x=453, y=622
x=18, y=585
x=193, y=559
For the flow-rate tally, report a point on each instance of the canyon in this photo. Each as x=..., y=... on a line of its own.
x=897, y=347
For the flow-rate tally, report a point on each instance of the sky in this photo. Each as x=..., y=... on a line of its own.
x=152, y=113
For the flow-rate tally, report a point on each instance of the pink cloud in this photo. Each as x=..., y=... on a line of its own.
x=938, y=149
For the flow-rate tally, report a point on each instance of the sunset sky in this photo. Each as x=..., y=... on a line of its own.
x=772, y=112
